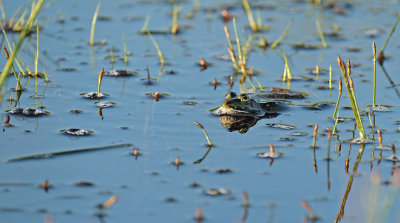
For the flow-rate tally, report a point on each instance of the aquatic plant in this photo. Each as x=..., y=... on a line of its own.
x=346, y=72
x=255, y=27
x=205, y=133
x=36, y=6
x=238, y=63
x=287, y=74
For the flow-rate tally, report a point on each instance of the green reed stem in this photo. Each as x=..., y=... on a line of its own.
x=112, y=56
x=374, y=59
x=334, y=126
x=160, y=55
x=287, y=68
x=338, y=100
x=37, y=47
x=250, y=17
x=279, y=40
x=91, y=42
x=321, y=35
x=390, y=33
x=238, y=43
x=145, y=25
x=124, y=46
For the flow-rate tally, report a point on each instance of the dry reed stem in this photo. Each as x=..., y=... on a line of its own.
x=245, y=199
x=205, y=133
x=100, y=79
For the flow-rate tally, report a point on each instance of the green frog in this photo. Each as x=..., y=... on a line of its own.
x=243, y=105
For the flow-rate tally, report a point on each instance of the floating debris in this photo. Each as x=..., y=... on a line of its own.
x=203, y=64
x=45, y=185
x=372, y=33
x=27, y=112
x=221, y=171
x=216, y=191
x=305, y=46
x=190, y=103
x=84, y=184
x=157, y=95
x=281, y=126
x=224, y=57
x=94, y=95
x=281, y=93
x=170, y=199
x=299, y=133
x=381, y=108
x=120, y=73
x=76, y=132
x=105, y=104
x=75, y=111
x=195, y=185
x=316, y=106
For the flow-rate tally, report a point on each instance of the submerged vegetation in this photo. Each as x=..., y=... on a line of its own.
x=235, y=54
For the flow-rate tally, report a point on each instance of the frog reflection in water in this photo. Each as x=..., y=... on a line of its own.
x=242, y=112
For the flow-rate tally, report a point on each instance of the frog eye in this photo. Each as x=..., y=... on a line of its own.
x=230, y=95
x=244, y=97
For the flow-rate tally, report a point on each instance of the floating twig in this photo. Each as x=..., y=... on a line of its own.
x=67, y=152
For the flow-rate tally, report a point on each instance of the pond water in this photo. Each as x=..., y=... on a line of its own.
x=150, y=187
